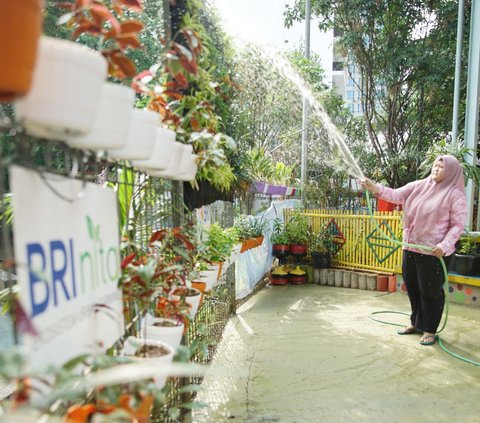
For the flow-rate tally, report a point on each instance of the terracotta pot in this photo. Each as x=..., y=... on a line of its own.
x=200, y=286
x=20, y=28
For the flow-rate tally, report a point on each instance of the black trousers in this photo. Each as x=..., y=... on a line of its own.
x=424, y=278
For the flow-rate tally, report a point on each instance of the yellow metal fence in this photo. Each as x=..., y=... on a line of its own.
x=355, y=239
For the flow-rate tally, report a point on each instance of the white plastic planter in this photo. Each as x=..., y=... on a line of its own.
x=141, y=137
x=112, y=122
x=210, y=276
x=193, y=300
x=191, y=170
x=162, y=151
x=172, y=171
x=65, y=92
x=131, y=346
x=172, y=335
x=188, y=165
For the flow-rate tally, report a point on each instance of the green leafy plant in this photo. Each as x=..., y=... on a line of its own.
x=219, y=243
x=297, y=230
x=318, y=243
x=279, y=236
x=248, y=228
x=467, y=245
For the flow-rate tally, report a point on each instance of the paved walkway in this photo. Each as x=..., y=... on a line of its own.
x=311, y=354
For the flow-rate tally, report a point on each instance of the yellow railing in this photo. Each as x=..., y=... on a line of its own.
x=360, y=245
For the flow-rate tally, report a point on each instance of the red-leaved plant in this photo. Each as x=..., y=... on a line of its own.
x=148, y=278
x=107, y=20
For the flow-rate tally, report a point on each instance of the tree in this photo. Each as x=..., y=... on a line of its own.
x=403, y=50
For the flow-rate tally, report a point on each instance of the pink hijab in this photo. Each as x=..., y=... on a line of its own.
x=426, y=205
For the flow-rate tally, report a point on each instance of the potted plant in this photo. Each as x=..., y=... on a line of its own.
x=466, y=256
x=318, y=249
x=279, y=240
x=250, y=232
x=297, y=231
x=68, y=90
x=20, y=28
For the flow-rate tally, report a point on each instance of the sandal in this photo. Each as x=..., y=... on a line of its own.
x=409, y=330
x=428, y=340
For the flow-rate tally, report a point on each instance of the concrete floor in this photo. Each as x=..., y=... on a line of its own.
x=311, y=354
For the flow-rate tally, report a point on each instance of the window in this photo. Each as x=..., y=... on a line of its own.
x=351, y=106
x=350, y=95
x=359, y=108
x=349, y=82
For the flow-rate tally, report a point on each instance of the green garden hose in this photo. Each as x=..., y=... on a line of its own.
x=446, y=288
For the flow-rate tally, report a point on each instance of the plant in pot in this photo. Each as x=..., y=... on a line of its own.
x=466, y=257
x=318, y=249
x=298, y=234
x=67, y=92
x=250, y=232
x=279, y=240
x=297, y=231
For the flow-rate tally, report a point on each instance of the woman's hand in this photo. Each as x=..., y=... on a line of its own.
x=438, y=252
x=368, y=184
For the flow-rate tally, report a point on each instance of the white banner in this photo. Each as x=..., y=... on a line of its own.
x=68, y=264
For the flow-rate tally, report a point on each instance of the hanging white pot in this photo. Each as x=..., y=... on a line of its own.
x=193, y=298
x=172, y=171
x=165, y=330
x=65, y=92
x=112, y=122
x=189, y=167
x=141, y=137
x=132, y=346
x=162, y=151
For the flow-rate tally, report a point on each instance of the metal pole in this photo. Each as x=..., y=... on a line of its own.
x=303, y=174
x=458, y=69
x=473, y=91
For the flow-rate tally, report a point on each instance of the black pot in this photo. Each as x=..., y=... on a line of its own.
x=321, y=260
x=204, y=195
x=466, y=264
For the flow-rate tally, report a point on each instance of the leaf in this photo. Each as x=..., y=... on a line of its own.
x=86, y=26
x=101, y=14
x=127, y=260
x=181, y=80
x=83, y=3
x=174, y=94
x=132, y=25
x=195, y=124
x=125, y=65
x=128, y=40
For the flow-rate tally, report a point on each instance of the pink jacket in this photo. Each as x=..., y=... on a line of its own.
x=450, y=220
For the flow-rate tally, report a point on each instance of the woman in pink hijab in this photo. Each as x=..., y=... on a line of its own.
x=434, y=216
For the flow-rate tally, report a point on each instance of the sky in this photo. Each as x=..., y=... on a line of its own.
x=263, y=20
